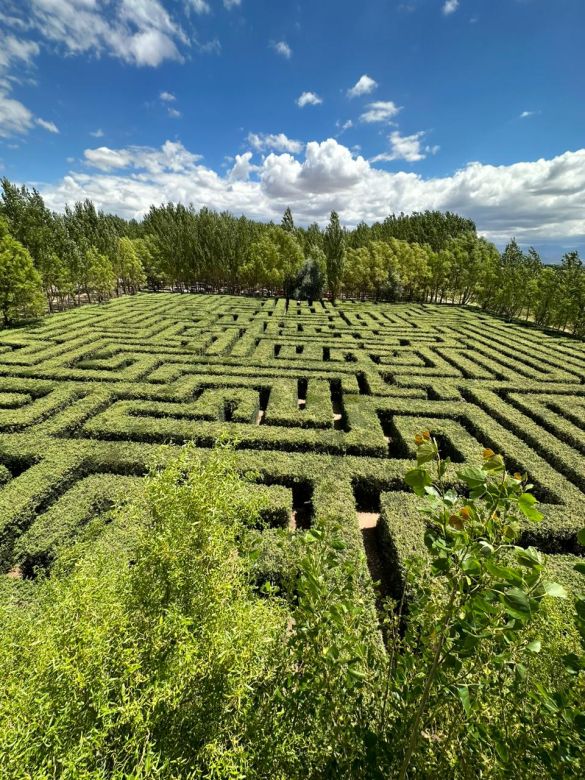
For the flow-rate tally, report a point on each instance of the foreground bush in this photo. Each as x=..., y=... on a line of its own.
x=151, y=653
x=143, y=663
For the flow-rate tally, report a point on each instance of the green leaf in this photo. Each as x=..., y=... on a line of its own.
x=473, y=476
x=418, y=479
x=535, y=646
x=516, y=603
x=581, y=537
x=503, y=573
x=471, y=565
x=425, y=453
x=494, y=464
x=580, y=567
x=554, y=589
x=463, y=692
x=529, y=557
x=526, y=504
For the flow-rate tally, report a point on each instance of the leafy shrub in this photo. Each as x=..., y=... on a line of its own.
x=139, y=657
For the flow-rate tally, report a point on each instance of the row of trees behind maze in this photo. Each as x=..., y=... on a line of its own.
x=58, y=260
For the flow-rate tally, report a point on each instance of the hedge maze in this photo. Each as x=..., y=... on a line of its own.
x=323, y=401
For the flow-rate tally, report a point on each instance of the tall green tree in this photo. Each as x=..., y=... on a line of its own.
x=334, y=246
x=287, y=221
x=101, y=279
x=21, y=292
x=127, y=266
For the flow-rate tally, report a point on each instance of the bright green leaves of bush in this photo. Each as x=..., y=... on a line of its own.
x=485, y=587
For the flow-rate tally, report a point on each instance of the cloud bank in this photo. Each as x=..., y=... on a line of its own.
x=535, y=201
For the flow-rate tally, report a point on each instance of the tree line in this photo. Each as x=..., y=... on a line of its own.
x=50, y=260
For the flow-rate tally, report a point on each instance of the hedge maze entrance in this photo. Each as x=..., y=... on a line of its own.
x=323, y=401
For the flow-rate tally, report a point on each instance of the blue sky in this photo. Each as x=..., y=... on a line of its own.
x=471, y=105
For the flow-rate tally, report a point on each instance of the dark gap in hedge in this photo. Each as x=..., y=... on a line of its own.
x=299, y=327
x=367, y=494
x=299, y=349
x=264, y=398
x=18, y=465
x=277, y=348
x=340, y=422
x=378, y=565
x=404, y=342
x=432, y=394
x=447, y=448
x=302, y=385
x=363, y=383
x=396, y=446
x=427, y=362
x=375, y=359
x=302, y=498
x=349, y=357
x=567, y=414
x=326, y=354
x=559, y=541
x=228, y=411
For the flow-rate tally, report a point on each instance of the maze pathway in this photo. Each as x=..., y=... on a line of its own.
x=323, y=400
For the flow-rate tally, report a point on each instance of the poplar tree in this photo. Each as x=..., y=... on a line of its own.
x=334, y=246
x=21, y=291
x=287, y=221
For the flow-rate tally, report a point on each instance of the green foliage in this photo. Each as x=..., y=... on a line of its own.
x=128, y=265
x=141, y=656
x=477, y=604
x=334, y=247
x=422, y=257
x=20, y=283
x=100, y=276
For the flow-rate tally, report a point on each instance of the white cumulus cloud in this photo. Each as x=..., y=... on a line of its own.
x=539, y=200
x=363, y=86
x=15, y=118
x=277, y=142
x=141, y=32
x=172, y=156
x=242, y=167
x=282, y=48
x=406, y=147
x=380, y=111
x=308, y=99
x=450, y=7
